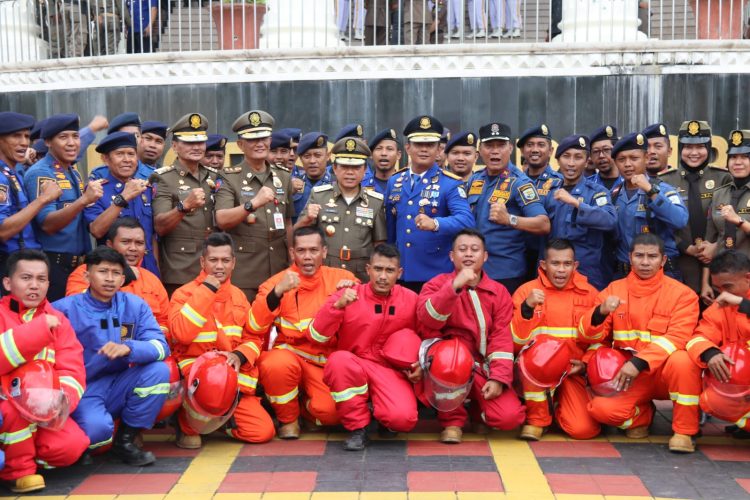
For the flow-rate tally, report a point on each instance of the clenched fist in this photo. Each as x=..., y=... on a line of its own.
x=264, y=197
x=349, y=296
x=499, y=213
x=464, y=277
x=290, y=281
x=535, y=298
x=610, y=304
x=93, y=192
x=196, y=199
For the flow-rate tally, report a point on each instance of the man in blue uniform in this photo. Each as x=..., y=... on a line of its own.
x=278, y=151
x=216, y=146
x=124, y=194
x=296, y=135
x=123, y=349
x=644, y=206
x=506, y=206
x=130, y=123
x=313, y=152
x=152, y=143
x=580, y=210
x=602, y=141
x=659, y=148
x=425, y=206
x=461, y=155
x=16, y=213
x=60, y=227
x=386, y=156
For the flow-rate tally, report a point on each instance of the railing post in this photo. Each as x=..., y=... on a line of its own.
x=600, y=21
x=299, y=24
x=20, y=35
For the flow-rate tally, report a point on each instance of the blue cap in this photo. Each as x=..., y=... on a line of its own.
x=424, y=128
x=157, y=128
x=13, y=122
x=350, y=130
x=280, y=139
x=445, y=136
x=124, y=120
x=605, y=132
x=312, y=140
x=40, y=147
x=294, y=133
x=573, y=142
x=59, y=123
x=655, y=130
x=36, y=130
x=636, y=140
x=216, y=142
x=461, y=139
x=539, y=131
x=384, y=135
x=116, y=140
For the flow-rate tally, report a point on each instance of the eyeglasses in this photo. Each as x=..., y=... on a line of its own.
x=601, y=152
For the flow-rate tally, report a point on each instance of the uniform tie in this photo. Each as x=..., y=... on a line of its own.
x=697, y=218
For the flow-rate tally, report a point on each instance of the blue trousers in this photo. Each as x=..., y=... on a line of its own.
x=135, y=396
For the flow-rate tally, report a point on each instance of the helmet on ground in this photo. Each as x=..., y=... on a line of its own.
x=602, y=369
x=729, y=400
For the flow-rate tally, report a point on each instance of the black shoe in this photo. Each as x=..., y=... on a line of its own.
x=125, y=449
x=86, y=459
x=741, y=434
x=385, y=433
x=357, y=441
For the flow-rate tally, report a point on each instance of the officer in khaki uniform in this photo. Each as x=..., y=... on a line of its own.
x=183, y=205
x=729, y=216
x=353, y=218
x=695, y=181
x=254, y=205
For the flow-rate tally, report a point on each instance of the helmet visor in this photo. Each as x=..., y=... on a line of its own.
x=443, y=397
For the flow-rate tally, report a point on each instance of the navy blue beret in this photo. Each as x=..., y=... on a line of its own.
x=59, y=123
x=116, y=140
x=124, y=120
x=11, y=122
x=312, y=140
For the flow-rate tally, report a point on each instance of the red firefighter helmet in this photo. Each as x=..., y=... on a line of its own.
x=174, y=398
x=602, y=368
x=545, y=361
x=729, y=400
x=34, y=390
x=401, y=349
x=448, y=372
x=212, y=392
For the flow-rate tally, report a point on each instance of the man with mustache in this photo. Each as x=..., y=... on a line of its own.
x=151, y=145
x=386, y=157
x=603, y=140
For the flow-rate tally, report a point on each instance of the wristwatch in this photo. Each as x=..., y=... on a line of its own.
x=119, y=201
x=513, y=219
x=654, y=190
x=248, y=206
x=181, y=208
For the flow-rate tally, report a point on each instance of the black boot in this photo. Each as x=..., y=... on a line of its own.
x=356, y=441
x=386, y=433
x=125, y=449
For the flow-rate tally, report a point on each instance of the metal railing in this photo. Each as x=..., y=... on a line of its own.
x=42, y=29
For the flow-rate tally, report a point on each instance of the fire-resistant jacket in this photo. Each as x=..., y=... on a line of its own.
x=480, y=317
x=720, y=326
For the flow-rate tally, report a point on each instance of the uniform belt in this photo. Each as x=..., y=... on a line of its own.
x=65, y=259
x=347, y=254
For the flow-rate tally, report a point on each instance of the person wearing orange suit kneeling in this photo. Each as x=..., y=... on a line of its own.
x=652, y=316
x=547, y=308
x=210, y=314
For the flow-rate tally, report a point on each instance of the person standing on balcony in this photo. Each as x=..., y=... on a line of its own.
x=108, y=27
x=507, y=10
x=377, y=22
x=143, y=34
x=416, y=20
x=344, y=16
x=69, y=28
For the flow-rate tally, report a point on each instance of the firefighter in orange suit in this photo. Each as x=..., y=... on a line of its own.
x=209, y=313
x=724, y=323
x=33, y=330
x=290, y=300
x=652, y=316
x=127, y=236
x=367, y=322
x=552, y=305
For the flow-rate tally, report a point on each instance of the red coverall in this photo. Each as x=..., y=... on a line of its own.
x=656, y=321
x=558, y=317
x=479, y=317
x=295, y=362
x=201, y=321
x=25, y=337
x=720, y=326
x=358, y=371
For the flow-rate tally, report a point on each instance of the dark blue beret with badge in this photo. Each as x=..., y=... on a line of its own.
x=11, y=122
x=424, y=128
x=216, y=142
x=116, y=140
x=384, y=135
x=446, y=136
x=280, y=139
x=655, y=130
x=573, y=142
x=294, y=133
x=461, y=139
x=312, y=140
x=350, y=130
x=124, y=120
x=603, y=133
x=636, y=140
x=539, y=131
x=154, y=127
x=36, y=130
x=56, y=124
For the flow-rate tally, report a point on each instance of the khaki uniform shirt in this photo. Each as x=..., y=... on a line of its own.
x=716, y=231
x=351, y=229
x=180, y=250
x=260, y=243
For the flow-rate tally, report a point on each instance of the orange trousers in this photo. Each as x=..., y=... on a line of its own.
x=571, y=399
x=678, y=379
x=285, y=376
x=250, y=421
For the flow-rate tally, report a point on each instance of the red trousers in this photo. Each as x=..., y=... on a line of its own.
x=571, y=399
x=285, y=376
x=678, y=379
x=354, y=381
x=25, y=444
x=505, y=412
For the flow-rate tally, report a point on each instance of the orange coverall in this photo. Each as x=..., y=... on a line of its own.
x=147, y=286
x=656, y=320
x=201, y=321
x=558, y=317
x=718, y=327
x=296, y=362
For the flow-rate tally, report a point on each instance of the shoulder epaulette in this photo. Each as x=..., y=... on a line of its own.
x=323, y=187
x=280, y=167
x=716, y=167
x=231, y=170
x=374, y=194
x=478, y=168
x=211, y=169
x=668, y=171
x=451, y=175
x=400, y=170
x=164, y=170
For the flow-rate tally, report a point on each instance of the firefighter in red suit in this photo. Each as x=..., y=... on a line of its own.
x=469, y=305
x=374, y=328
x=33, y=330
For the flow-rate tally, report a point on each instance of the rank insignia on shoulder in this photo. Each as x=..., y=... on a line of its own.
x=321, y=188
x=451, y=175
x=374, y=194
x=211, y=169
x=231, y=170
x=280, y=167
x=164, y=170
